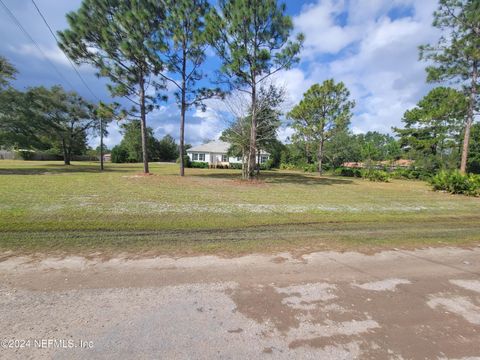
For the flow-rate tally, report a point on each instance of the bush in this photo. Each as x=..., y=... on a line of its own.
x=199, y=165
x=269, y=164
x=310, y=168
x=237, y=166
x=349, y=172
x=413, y=173
x=119, y=154
x=456, y=183
x=376, y=175
x=288, y=166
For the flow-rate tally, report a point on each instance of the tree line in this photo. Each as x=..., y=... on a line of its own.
x=440, y=133
x=143, y=46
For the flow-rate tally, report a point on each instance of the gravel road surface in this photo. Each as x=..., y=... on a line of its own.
x=422, y=304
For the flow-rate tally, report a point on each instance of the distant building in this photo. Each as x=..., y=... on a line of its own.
x=107, y=157
x=216, y=153
x=401, y=163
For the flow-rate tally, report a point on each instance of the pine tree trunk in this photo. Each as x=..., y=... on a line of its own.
x=253, y=136
x=470, y=116
x=182, y=115
x=101, y=144
x=143, y=126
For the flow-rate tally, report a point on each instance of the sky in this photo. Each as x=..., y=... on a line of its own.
x=370, y=45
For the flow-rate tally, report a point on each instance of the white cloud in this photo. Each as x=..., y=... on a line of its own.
x=323, y=34
x=381, y=66
x=52, y=53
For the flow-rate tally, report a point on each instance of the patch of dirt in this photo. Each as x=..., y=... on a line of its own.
x=265, y=305
x=254, y=182
x=278, y=260
x=138, y=175
x=382, y=285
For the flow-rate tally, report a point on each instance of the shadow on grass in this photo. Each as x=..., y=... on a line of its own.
x=49, y=169
x=273, y=177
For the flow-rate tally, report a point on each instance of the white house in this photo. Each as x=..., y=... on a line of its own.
x=215, y=153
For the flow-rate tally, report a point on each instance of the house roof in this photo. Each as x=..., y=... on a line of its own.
x=216, y=146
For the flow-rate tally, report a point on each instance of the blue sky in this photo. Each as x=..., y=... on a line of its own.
x=370, y=45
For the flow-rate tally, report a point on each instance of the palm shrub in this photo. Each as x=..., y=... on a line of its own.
x=348, y=172
x=456, y=183
x=376, y=175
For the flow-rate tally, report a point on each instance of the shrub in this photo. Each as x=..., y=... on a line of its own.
x=267, y=165
x=376, y=175
x=237, y=166
x=456, y=183
x=288, y=166
x=349, y=172
x=310, y=168
x=119, y=154
x=199, y=165
x=411, y=173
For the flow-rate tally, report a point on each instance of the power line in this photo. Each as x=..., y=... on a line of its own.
x=26, y=33
x=69, y=60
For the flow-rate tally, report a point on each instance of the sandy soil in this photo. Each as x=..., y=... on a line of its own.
x=422, y=304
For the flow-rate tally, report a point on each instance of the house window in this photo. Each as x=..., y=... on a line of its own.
x=239, y=158
x=224, y=158
x=263, y=159
x=201, y=157
x=195, y=157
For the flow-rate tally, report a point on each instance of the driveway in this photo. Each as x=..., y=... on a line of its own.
x=422, y=304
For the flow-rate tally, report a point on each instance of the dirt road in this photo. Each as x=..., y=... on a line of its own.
x=396, y=304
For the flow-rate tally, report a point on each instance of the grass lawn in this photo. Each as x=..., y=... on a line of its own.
x=49, y=207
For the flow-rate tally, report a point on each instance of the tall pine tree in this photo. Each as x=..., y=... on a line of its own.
x=251, y=38
x=324, y=109
x=121, y=39
x=457, y=55
x=184, y=31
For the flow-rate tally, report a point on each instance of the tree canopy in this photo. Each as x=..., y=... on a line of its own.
x=324, y=110
x=7, y=72
x=456, y=56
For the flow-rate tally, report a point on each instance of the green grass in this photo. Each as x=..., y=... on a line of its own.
x=48, y=207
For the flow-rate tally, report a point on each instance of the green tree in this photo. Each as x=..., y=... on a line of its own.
x=121, y=39
x=377, y=146
x=324, y=110
x=168, y=149
x=104, y=114
x=251, y=38
x=184, y=29
x=238, y=135
x=7, y=72
x=474, y=158
x=268, y=121
x=433, y=128
x=457, y=55
x=132, y=141
x=119, y=154
x=342, y=147
x=270, y=98
x=20, y=126
x=63, y=117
